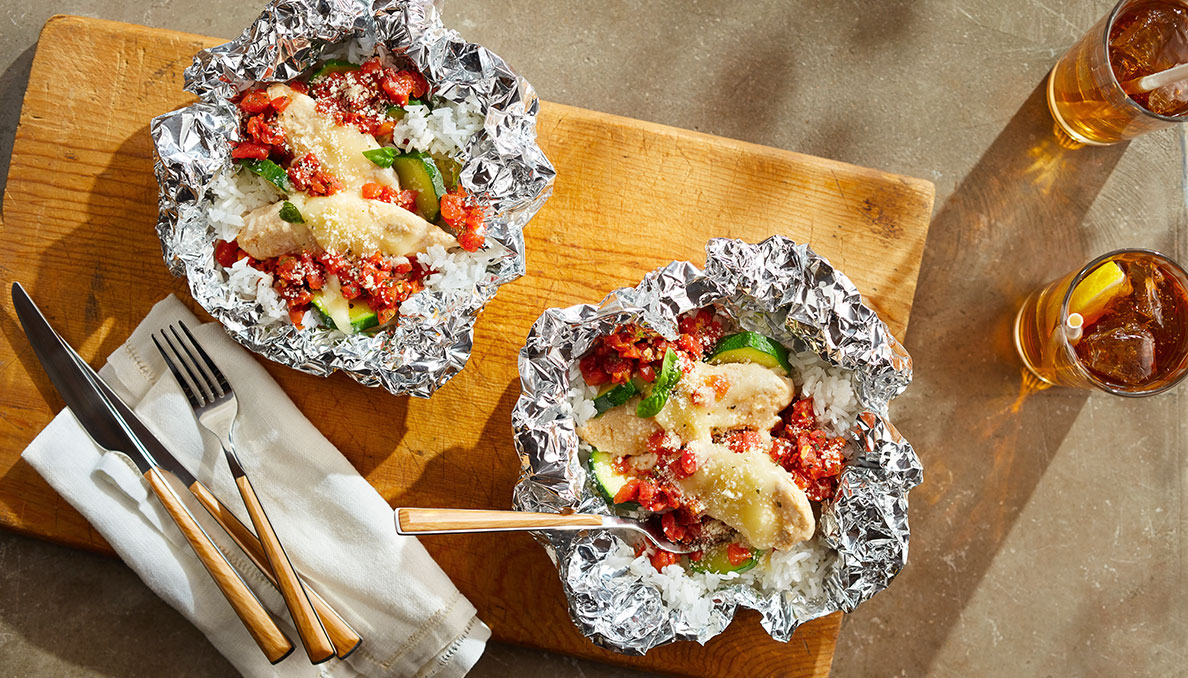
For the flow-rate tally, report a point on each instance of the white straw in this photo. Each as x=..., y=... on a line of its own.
x=1154, y=81
x=1073, y=327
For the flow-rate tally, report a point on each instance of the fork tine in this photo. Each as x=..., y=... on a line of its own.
x=205, y=394
x=214, y=369
x=210, y=384
x=185, y=386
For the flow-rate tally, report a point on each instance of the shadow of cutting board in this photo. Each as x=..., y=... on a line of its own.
x=79, y=212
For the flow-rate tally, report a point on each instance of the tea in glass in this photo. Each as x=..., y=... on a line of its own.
x=1119, y=324
x=1087, y=88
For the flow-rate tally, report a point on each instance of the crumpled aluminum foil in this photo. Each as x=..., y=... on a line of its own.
x=502, y=163
x=785, y=291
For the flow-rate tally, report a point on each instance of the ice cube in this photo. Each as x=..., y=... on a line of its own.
x=1150, y=41
x=1170, y=99
x=1125, y=354
x=1145, y=281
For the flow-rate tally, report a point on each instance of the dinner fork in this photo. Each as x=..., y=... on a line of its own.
x=216, y=406
x=414, y=521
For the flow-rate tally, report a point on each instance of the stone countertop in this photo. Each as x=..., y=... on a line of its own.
x=1049, y=536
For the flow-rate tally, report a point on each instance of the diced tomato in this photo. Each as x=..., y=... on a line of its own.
x=738, y=554
x=742, y=440
x=672, y=529
x=719, y=385
x=687, y=465
x=299, y=86
x=248, y=150
x=647, y=372
x=452, y=207
x=226, y=253
x=471, y=241
x=371, y=66
x=628, y=492
x=658, y=443
x=255, y=101
x=296, y=315
x=645, y=493
x=781, y=449
x=662, y=559
x=696, y=556
x=372, y=191
x=280, y=104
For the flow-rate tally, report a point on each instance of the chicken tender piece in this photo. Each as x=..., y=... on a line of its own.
x=339, y=148
x=751, y=493
x=619, y=432
x=265, y=234
x=348, y=222
x=754, y=399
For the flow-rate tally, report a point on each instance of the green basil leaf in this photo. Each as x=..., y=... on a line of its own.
x=381, y=157
x=290, y=213
x=271, y=171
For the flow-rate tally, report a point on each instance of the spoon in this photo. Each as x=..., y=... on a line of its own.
x=414, y=521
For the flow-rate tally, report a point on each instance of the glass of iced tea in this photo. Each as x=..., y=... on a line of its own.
x=1087, y=88
x=1119, y=324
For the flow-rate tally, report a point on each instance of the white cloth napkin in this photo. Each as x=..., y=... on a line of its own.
x=337, y=529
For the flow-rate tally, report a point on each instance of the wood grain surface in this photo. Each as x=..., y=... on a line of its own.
x=313, y=636
x=78, y=215
x=344, y=637
x=262, y=627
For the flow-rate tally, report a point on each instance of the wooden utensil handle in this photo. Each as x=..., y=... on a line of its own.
x=346, y=640
x=263, y=629
x=414, y=520
x=309, y=627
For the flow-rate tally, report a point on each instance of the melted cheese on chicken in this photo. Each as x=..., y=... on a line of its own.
x=344, y=222
x=746, y=490
x=753, y=399
x=751, y=493
x=339, y=148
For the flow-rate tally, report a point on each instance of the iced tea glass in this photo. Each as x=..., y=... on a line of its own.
x=1119, y=324
x=1084, y=93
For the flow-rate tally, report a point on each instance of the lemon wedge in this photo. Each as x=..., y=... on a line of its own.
x=1097, y=289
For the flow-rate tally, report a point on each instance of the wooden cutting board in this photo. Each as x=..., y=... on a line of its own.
x=79, y=212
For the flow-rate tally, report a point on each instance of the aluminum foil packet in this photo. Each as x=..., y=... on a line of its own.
x=503, y=167
x=783, y=290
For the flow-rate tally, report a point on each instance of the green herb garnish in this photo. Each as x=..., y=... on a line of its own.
x=290, y=213
x=271, y=171
x=381, y=157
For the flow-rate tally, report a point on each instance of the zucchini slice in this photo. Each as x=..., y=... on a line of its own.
x=751, y=347
x=418, y=172
x=606, y=479
x=333, y=66
x=716, y=560
x=613, y=397
x=348, y=316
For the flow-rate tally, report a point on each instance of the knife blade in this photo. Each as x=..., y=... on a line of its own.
x=119, y=429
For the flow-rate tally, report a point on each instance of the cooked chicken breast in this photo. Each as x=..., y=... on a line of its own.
x=348, y=222
x=265, y=234
x=344, y=222
x=751, y=493
x=339, y=148
x=619, y=432
x=753, y=398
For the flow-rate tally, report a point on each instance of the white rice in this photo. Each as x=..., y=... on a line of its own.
x=800, y=570
x=446, y=129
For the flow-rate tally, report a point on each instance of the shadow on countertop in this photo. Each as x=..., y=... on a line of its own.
x=984, y=429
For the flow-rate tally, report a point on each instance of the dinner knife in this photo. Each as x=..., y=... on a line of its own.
x=112, y=430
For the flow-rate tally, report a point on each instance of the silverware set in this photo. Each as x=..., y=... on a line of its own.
x=113, y=426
